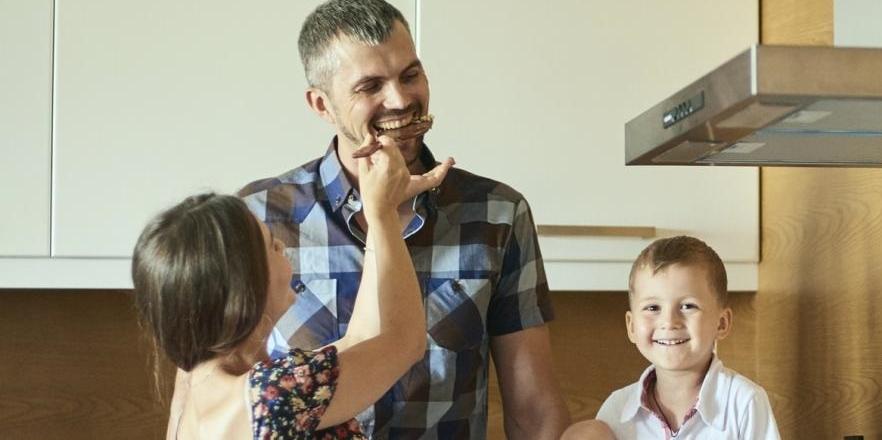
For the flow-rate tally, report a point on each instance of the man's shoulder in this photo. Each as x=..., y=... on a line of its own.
x=286, y=197
x=469, y=186
x=306, y=174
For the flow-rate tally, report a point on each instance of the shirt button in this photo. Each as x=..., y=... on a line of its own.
x=352, y=198
x=299, y=287
x=457, y=286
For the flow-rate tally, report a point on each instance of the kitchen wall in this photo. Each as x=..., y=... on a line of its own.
x=75, y=365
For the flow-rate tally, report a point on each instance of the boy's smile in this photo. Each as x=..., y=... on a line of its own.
x=675, y=318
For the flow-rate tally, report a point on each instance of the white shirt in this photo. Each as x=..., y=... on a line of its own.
x=729, y=406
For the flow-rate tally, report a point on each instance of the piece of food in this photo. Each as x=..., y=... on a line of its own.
x=417, y=127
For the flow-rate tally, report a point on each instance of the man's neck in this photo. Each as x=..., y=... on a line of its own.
x=350, y=165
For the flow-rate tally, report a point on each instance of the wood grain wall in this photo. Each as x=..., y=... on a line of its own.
x=75, y=365
x=819, y=303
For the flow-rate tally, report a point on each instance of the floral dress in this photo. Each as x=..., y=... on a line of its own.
x=288, y=396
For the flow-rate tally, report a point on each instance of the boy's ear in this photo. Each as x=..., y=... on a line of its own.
x=725, y=325
x=318, y=102
x=629, y=326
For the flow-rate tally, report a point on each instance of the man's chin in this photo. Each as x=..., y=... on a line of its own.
x=411, y=149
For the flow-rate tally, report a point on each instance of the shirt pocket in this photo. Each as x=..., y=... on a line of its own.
x=311, y=321
x=456, y=312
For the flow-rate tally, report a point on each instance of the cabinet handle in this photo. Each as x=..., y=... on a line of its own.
x=597, y=231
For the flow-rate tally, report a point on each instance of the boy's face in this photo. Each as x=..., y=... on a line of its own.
x=675, y=318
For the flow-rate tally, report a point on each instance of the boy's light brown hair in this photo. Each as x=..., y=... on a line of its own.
x=687, y=251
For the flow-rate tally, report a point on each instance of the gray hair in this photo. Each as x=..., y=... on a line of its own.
x=367, y=21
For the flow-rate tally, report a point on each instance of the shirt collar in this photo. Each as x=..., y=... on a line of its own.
x=634, y=402
x=712, y=398
x=337, y=187
x=710, y=406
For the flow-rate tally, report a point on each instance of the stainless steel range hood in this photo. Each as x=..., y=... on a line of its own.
x=770, y=105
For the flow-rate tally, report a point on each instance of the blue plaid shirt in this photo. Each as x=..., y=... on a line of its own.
x=476, y=255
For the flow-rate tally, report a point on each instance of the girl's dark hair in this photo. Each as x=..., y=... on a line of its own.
x=200, y=274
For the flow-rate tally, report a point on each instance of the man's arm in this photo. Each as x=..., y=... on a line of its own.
x=533, y=407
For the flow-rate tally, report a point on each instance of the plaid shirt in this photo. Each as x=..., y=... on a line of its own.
x=476, y=255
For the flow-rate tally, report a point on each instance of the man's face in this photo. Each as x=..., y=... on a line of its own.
x=377, y=86
x=675, y=317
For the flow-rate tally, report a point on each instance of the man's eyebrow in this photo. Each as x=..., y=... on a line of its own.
x=415, y=63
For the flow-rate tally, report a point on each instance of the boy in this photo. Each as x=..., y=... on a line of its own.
x=678, y=311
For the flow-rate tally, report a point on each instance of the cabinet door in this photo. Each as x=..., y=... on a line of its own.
x=25, y=126
x=156, y=100
x=537, y=95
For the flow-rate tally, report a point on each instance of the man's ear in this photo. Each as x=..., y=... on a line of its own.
x=629, y=326
x=725, y=325
x=318, y=102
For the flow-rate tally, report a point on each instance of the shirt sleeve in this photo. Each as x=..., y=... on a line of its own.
x=758, y=421
x=521, y=298
x=289, y=395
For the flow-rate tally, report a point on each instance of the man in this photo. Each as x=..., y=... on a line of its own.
x=472, y=241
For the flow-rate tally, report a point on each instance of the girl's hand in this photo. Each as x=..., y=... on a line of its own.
x=382, y=174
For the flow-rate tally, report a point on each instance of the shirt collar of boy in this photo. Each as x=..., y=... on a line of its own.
x=710, y=404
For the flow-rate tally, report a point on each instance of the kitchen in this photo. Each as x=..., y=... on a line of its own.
x=810, y=227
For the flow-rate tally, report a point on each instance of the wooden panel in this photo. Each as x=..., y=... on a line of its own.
x=593, y=357
x=82, y=370
x=805, y=22
x=817, y=308
x=75, y=367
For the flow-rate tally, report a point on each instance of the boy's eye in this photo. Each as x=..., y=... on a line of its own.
x=651, y=308
x=689, y=306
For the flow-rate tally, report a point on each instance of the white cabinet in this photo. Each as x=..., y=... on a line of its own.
x=156, y=100
x=25, y=127
x=537, y=95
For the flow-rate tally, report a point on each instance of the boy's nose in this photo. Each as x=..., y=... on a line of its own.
x=672, y=319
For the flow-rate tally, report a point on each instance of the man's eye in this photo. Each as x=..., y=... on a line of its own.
x=410, y=76
x=369, y=88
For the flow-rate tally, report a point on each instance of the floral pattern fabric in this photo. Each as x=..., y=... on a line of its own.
x=288, y=396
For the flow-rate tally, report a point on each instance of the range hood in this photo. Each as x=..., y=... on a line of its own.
x=770, y=105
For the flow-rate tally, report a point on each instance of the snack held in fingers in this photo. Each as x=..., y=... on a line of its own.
x=416, y=127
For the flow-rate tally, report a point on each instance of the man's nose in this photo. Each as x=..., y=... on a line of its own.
x=396, y=96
